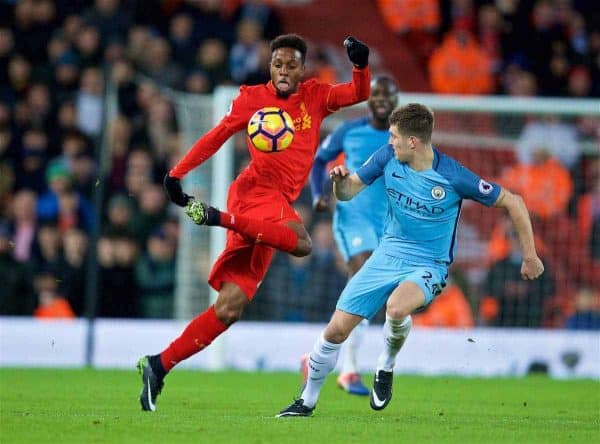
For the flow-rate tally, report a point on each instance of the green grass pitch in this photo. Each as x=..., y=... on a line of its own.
x=98, y=406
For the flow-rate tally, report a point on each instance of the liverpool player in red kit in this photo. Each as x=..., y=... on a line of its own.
x=259, y=216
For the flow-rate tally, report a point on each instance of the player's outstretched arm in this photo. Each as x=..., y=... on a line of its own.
x=346, y=94
x=345, y=185
x=532, y=266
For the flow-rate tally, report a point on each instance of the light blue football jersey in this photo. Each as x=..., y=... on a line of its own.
x=424, y=206
x=358, y=140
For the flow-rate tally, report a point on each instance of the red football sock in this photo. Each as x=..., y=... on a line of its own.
x=274, y=235
x=199, y=333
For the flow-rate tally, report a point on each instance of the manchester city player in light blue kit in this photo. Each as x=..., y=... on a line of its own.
x=425, y=189
x=357, y=224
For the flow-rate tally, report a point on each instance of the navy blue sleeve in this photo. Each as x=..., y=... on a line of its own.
x=467, y=184
x=318, y=178
x=373, y=167
x=329, y=149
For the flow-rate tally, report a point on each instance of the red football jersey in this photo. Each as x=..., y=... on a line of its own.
x=286, y=170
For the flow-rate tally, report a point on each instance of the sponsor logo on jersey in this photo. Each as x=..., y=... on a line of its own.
x=412, y=204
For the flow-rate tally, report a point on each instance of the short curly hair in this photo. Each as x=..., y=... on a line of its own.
x=290, y=41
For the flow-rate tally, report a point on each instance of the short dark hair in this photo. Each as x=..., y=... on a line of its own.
x=413, y=119
x=289, y=41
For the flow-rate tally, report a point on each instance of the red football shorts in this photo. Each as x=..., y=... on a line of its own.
x=245, y=262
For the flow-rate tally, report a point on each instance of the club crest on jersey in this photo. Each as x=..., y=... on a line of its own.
x=438, y=193
x=485, y=187
x=357, y=241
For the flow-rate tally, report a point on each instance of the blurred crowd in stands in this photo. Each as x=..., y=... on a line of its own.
x=56, y=58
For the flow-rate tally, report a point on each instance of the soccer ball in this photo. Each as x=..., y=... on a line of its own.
x=271, y=129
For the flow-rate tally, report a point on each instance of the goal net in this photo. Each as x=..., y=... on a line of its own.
x=544, y=149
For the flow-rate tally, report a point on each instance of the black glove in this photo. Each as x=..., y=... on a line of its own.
x=358, y=52
x=173, y=189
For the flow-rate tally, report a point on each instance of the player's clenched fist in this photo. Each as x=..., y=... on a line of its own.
x=174, y=192
x=358, y=52
x=338, y=173
x=532, y=268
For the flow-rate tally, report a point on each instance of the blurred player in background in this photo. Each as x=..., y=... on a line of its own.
x=408, y=269
x=260, y=216
x=357, y=224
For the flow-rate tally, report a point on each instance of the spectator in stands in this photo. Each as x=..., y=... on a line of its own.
x=510, y=301
x=198, y=82
x=16, y=294
x=161, y=130
x=181, y=39
x=31, y=171
x=546, y=185
x=558, y=138
x=263, y=14
x=109, y=18
x=158, y=65
x=119, y=137
x=61, y=203
x=19, y=76
x=415, y=21
x=460, y=66
x=211, y=21
x=587, y=310
x=490, y=34
x=155, y=276
x=66, y=77
x=119, y=213
x=579, y=83
x=89, y=102
x=7, y=165
x=260, y=73
x=67, y=119
x=38, y=103
x=118, y=293
x=73, y=269
x=139, y=172
x=88, y=46
x=24, y=224
x=47, y=248
x=51, y=304
x=151, y=213
x=212, y=59
x=588, y=215
x=7, y=45
x=245, y=53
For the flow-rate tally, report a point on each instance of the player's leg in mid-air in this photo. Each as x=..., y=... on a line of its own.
x=291, y=237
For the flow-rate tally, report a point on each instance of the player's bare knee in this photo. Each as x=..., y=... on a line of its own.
x=335, y=334
x=230, y=304
x=397, y=312
x=229, y=314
